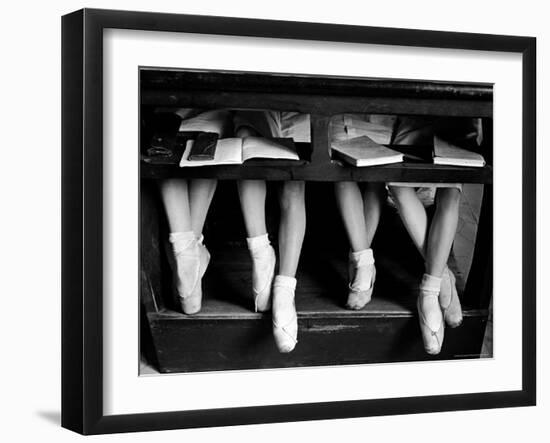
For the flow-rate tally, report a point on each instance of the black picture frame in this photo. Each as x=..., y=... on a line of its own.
x=82, y=220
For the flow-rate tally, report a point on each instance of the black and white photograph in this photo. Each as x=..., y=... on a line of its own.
x=273, y=221
x=291, y=220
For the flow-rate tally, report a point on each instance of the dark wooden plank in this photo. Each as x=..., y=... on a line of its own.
x=333, y=171
x=152, y=266
x=209, y=345
x=479, y=290
x=320, y=140
x=178, y=79
x=327, y=104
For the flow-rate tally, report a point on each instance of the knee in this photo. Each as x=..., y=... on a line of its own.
x=293, y=195
x=448, y=198
x=245, y=131
x=398, y=193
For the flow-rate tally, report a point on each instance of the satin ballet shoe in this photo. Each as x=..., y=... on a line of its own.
x=263, y=271
x=285, y=319
x=432, y=335
x=191, y=265
x=449, y=301
x=360, y=292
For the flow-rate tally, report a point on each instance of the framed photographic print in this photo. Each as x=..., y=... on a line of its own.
x=341, y=216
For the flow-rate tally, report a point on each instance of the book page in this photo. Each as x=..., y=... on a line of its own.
x=228, y=152
x=276, y=148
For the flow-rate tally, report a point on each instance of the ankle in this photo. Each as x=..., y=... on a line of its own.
x=283, y=298
x=364, y=257
x=284, y=288
x=182, y=241
x=430, y=285
x=285, y=281
x=258, y=244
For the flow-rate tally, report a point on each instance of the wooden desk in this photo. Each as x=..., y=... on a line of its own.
x=377, y=330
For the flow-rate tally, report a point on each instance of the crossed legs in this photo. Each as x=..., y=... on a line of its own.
x=434, y=242
x=360, y=213
x=438, y=300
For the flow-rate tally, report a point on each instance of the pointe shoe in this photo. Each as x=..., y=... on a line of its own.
x=432, y=335
x=263, y=271
x=362, y=275
x=449, y=301
x=191, y=264
x=285, y=319
x=359, y=294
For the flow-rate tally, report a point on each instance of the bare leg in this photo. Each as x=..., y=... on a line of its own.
x=350, y=204
x=442, y=230
x=435, y=247
x=252, y=196
x=174, y=194
x=413, y=214
x=360, y=215
x=373, y=198
x=292, y=227
x=291, y=235
x=201, y=192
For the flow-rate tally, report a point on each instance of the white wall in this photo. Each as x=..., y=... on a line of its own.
x=30, y=217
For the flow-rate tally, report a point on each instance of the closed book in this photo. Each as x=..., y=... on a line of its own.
x=363, y=151
x=448, y=154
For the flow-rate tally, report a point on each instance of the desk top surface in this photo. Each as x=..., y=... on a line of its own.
x=199, y=80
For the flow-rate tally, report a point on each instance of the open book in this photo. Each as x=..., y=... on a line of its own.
x=235, y=151
x=363, y=151
x=448, y=154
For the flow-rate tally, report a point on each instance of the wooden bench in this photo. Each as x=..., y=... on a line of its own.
x=227, y=334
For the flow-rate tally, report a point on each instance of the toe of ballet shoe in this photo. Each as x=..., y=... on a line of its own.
x=358, y=300
x=432, y=350
x=453, y=322
x=453, y=316
x=262, y=303
x=432, y=341
x=284, y=343
x=285, y=348
x=286, y=336
x=190, y=305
